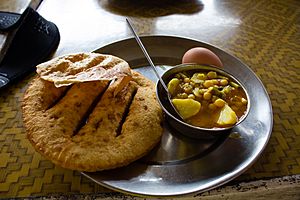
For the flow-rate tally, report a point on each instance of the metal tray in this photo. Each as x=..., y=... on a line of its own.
x=180, y=165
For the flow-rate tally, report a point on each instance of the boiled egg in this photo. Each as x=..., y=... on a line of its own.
x=200, y=55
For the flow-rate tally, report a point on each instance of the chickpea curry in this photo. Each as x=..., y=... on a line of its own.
x=207, y=99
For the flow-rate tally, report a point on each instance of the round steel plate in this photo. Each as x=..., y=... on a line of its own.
x=180, y=165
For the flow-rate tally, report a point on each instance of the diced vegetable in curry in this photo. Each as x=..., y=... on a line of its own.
x=207, y=99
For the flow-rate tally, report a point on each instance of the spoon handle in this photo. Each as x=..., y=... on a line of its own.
x=153, y=67
x=146, y=54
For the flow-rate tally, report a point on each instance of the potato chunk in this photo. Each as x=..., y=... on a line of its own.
x=227, y=116
x=173, y=86
x=187, y=107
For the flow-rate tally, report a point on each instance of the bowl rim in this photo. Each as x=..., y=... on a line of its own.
x=205, y=67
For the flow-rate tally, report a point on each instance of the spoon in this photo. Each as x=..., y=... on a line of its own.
x=153, y=67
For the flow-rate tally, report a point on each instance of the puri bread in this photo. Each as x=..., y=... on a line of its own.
x=82, y=67
x=88, y=127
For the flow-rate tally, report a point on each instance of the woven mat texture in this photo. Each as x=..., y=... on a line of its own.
x=267, y=40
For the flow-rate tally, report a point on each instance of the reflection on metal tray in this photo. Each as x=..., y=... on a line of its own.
x=180, y=165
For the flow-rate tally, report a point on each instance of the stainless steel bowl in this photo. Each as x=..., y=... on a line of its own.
x=183, y=127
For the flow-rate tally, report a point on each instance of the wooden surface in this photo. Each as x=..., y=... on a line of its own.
x=275, y=189
x=263, y=34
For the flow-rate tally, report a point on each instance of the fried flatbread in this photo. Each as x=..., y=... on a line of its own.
x=82, y=67
x=89, y=126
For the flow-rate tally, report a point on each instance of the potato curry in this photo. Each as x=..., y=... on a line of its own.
x=207, y=99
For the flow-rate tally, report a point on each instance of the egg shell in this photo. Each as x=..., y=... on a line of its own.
x=200, y=55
